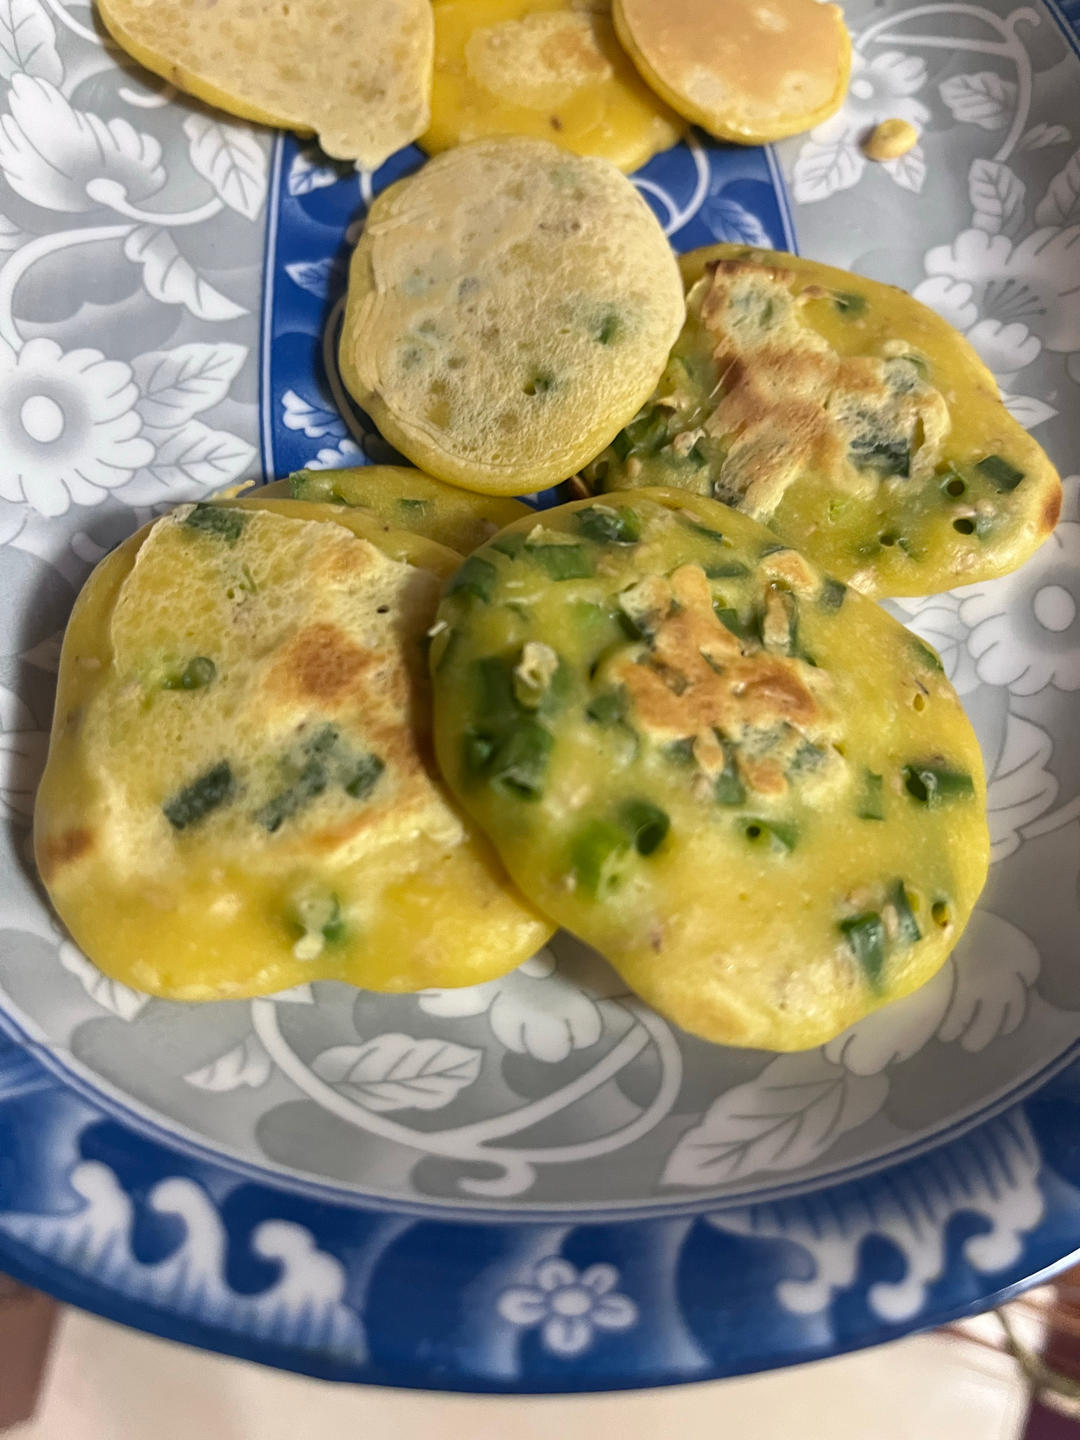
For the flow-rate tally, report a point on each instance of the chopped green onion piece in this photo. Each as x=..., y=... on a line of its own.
x=608, y=328
x=928, y=655
x=780, y=836
x=932, y=785
x=645, y=823
x=907, y=926
x=365, y=776
x=519, y=761
x=728, y=788
x=729, y=570
x=511, y=544
x=748, y=629
x=311, y=782
x=413, y=507
x=848, y=303
x=476, y=577
x=563, y=562
x=196, y=674
x=871, y=802
x=216, y=520
x=999, y=472
x=773, y=548
x=540, y=383
x=607, y=525
x=698, y=528
x=607, y=708
x=866, y=935
x=833, y=593
x=597, y=857
x=195, y=801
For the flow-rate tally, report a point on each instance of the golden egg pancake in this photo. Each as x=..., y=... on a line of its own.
x=239, y=796
x=356, y=73
x=510, y=308
x=549, y=68
x=748, y=786
x=745, y=70
x=405, y=499
x=852, y=420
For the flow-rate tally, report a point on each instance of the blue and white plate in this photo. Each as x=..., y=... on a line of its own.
x=535, y=1184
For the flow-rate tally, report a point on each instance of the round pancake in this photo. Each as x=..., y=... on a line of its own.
x=851, y=419
x=748, y=70
x=549, y=68
x=748, y=786
x=405, y=499
x=357, y=73
x=510, y=308
x=239, y=796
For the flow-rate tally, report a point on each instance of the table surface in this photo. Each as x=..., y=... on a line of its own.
x=108, y=1383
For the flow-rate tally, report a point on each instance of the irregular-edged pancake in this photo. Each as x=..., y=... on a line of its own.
x=747, y=785
x=747, y=70
x=549, y=68
x=357, y=73
x=852, y=420
x=239, y=795
x=510, y=308
x=405, y=499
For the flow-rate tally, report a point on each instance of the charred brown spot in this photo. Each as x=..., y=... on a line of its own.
x=321, y=663
x=63, y=849
x=1051, y=510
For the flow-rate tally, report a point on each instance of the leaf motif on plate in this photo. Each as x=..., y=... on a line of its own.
x=1020, y=788
x=45, y=655
x=170, y=278
x=1028, y=409
x=732, y=222
x=28, y=41
x=909, y=171
x=50, y=152
x=176, y=385
x=398, y=1072
x=314, y=419
x=15, y=714
x=22, y=759
x=1041, y=135
x=322, y=278
x=11, y=237
x=311, y=170
x=1061, y=203
x=789, y=1116
x=231, y=158
x=997, y=197
x=245, y=1065
x=986, y=99
x=896, y=1033
x=191, y=455
x=822, y=169
x=120, y=1000
x=996, y=964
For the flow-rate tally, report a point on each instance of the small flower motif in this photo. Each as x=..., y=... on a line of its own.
x=1009, y=300
x=1025, y=628
x=880, y=89
x=569, y=1306
x=71, y=431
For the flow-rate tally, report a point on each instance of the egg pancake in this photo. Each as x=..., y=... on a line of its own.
x=405, y=499
x=745, y=784
x=549, y=68
x=357, y=73
x=239, y=795
x=852, y=420
x=510, y=308
x=747, y=70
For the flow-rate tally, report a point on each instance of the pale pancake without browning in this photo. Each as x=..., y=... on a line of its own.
x=357, y=73
x=549, y=68
x=745, y=70
x=748, y=786
x=852, y=420
x=405, y=499
x=510, y=307
x=239, y=795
